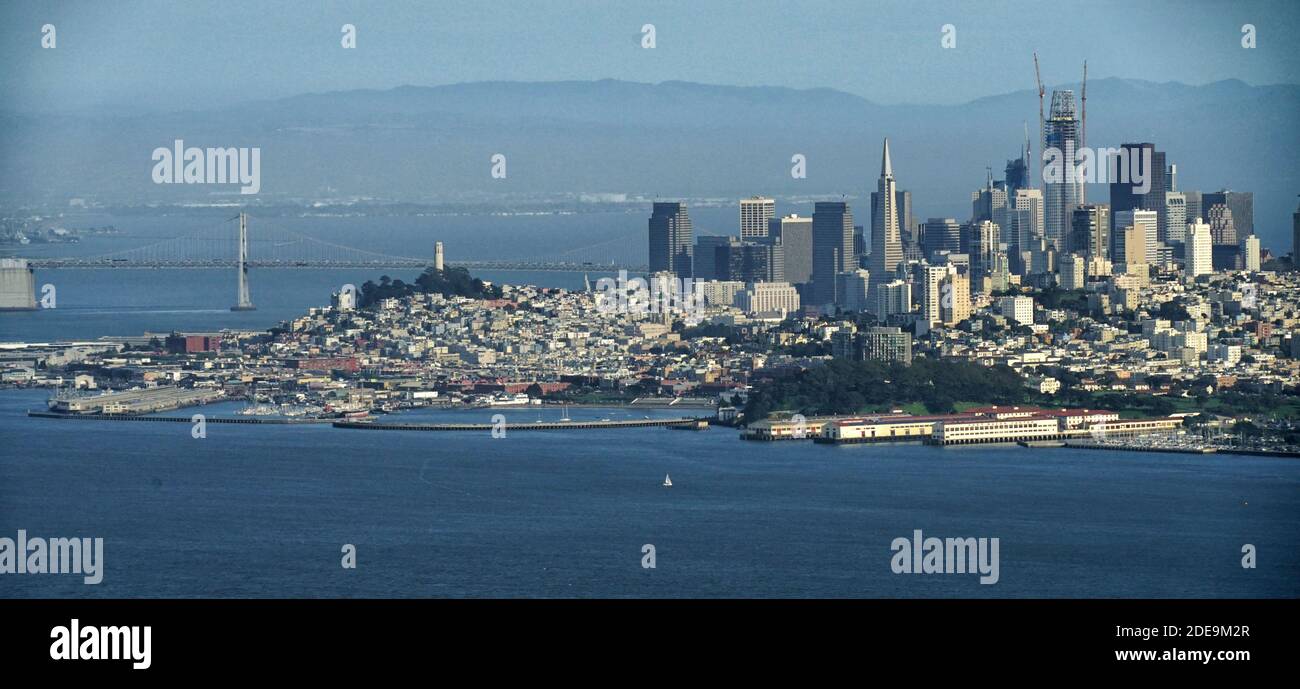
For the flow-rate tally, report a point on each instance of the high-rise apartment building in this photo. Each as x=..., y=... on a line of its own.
x=1147, y=225
x=945, y=293
x=852, y=290
x=1018, y=309
x=982, y=248
x=1072, y=275
x=1090, y=231
x=1250, y=253
x=885, y=344
x=893, y=297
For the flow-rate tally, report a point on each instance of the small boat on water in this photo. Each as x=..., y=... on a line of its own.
x=668, y=482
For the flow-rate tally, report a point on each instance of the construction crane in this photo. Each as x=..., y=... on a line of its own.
x=1039, y=79
x=1083, y=134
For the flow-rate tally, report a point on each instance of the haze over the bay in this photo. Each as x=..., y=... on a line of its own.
x=729, y=93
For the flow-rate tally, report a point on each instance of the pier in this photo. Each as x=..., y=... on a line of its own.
x=548, y=426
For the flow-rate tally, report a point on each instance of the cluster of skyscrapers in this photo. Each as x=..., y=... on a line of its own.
x=1018, y=233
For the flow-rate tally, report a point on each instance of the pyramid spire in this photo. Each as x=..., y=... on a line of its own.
x=886, y=169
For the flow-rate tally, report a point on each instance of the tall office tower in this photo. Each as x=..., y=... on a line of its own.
x=1223, y=225
x=705, y=263
x=1042, y=257
x=832, y=224
x=891, y=298
x=941, y=234
x=990, y=203
x=1295, y=239
x=852, y=290
x=1250, y=253
x=1061, y=132
x=1024, y=219
x=1090, y=231
x=796, y=235
x=1146, y=221
x=1017, y=175
x=741, y=261
x=1194, y=208
x=1198, y=256
x=1175, y=217
x=1123, y=166
x=983, y=248
x=670, y=239
x=886, y=243
x=755, y=214
x=1241, y=203
x=774, y=252
x=1072, y=276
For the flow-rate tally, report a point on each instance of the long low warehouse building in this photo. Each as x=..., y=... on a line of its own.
x=996, y=424
x=883, y=428
x=1044, y=428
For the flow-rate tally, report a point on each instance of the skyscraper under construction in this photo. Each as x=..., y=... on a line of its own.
x=1064, y=191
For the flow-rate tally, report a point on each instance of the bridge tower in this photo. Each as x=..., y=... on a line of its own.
x=245, y=302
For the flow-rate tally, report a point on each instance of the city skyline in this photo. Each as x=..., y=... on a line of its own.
x=684, y=300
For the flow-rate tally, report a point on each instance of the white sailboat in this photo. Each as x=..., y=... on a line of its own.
x=668, y=482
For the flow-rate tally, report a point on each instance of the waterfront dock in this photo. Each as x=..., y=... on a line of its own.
x=547, y=426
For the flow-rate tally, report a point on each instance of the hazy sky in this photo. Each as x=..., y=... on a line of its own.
x=193, y=53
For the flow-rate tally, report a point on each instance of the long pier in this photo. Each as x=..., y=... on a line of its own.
x=700, y=423
x=548, y=426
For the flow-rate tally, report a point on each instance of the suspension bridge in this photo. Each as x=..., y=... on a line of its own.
x=269, y=246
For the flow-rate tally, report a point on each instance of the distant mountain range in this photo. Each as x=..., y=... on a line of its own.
x=673, y=139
